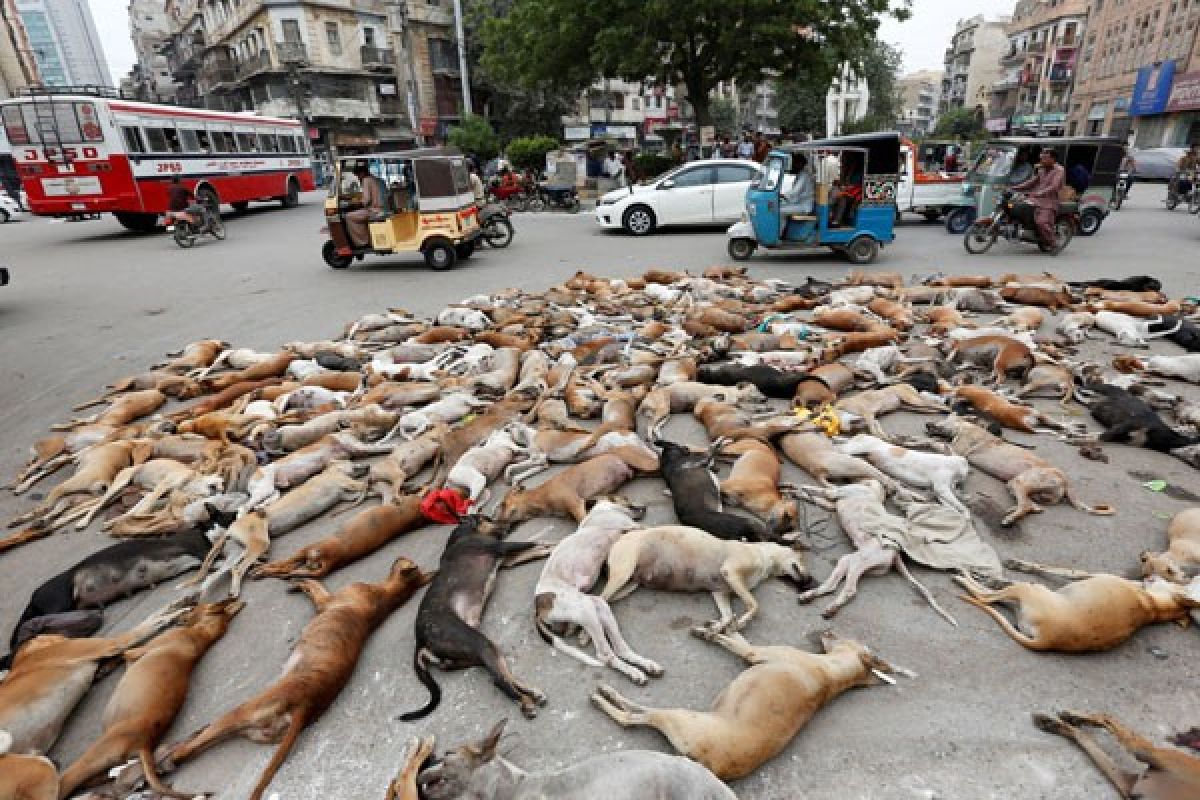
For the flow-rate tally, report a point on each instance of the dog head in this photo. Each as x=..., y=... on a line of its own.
x=1163, y=566
x=453, y=775
x=406, y=571
x=616, y=503
x=788, y=564
x=875, y=669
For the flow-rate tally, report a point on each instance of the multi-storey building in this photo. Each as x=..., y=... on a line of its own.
x=625, y=111
x=1139, y=72
x=1032, y=96
x=973, y=63
x=919, y=94
x=427, y=56
x=846, y=101
x=331, y=63
x=150, y=77
x=17, y=65
x=62, y=37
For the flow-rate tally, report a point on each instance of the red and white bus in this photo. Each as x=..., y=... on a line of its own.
x=82, y=153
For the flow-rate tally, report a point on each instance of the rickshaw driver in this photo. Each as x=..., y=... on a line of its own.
x=372, y=200
x=1042, y=191
x=798, y=198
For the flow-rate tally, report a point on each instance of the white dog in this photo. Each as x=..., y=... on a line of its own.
x=1074, y=326
x=450, y=408
x=938, y=473
x=1185, y=367
x=560, y=599
x=1131, y=331
x=482, y=464
x=469, y=318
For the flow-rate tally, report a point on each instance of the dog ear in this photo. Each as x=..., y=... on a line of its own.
x=485, y=748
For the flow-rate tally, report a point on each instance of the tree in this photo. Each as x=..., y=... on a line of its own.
x=724, y=117
x=696, y=43
x=801, y=105
x=959, y=122
x=474, y=136
x=530, y=152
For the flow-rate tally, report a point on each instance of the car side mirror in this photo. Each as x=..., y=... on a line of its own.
x=667, y=184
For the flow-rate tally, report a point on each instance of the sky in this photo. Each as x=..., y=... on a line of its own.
x=922, y=38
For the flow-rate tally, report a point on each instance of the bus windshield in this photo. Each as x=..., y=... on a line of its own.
x=54, y=123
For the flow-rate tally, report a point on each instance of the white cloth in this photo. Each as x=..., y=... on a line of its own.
x=745, y=150
x=799, y=198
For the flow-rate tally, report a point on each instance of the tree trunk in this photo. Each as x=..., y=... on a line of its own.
x=698, y=97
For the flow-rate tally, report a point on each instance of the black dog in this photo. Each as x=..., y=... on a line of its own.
x=697, y=497
x=447, y=629
x=106, y=576
x=813, y=288
x=1135, y=283
x=770, y=381
x=1127, y=419
x=1187, y=335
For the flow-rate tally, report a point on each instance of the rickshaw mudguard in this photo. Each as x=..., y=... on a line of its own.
x=763, y=207
x=740, y=230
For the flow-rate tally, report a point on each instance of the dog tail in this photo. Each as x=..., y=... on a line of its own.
x=421, y=666
x=1102, y=509
x=281, y=753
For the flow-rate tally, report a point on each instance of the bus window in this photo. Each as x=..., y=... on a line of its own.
x=190, y=143
x=134, y=142
x=286, y=144
x=173, y=141
x=246, y=143
x=266, y=143
x=157, y=139
x=14, y=123
x=203, y=139
x=222, y=141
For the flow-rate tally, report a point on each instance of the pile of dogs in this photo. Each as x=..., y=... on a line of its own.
x=201, y=463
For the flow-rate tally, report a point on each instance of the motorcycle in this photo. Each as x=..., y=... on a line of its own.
x=1122, y=191
x=564, y=197
x=188, y=226
x=496, y=229
x=1014, y=220
x=1184, y=188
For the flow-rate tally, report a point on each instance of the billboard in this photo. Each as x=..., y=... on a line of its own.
x=1152, y=90
x=1185, y=93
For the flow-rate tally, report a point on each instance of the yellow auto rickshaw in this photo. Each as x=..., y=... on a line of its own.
x=414, y=201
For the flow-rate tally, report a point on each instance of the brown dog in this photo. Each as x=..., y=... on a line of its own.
x=847, y=343
x=320, y=666
x=823, y=385
x=1011, y=415
x=899, y=315
x=149, y=696
x=566, y=494
x=943, y=319
x=753, y=484
x=1135, y=308
x=1002, y=353
x=123, y=410
x=360, y=536
x=1179, y=562
x=1038, y=296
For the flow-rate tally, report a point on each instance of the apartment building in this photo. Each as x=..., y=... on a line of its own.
x=629, y=112
x=973, y=63
x=427, y=57
x=17, y=65
x=62, y=37
x=149, y=29
x=846, y=101
x=1138, y=76
x=1033, y=94
x=919, y=92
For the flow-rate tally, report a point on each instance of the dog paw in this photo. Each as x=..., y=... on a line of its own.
x=652, y=669
x=637, y=676
x=705, y=632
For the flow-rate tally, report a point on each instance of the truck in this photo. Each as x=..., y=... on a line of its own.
x=932, y=194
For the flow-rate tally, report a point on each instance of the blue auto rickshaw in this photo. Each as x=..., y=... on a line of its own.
x=851, y=208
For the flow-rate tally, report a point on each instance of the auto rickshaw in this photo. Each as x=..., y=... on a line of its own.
x=854, y=200
x=1003, y=163
x=429, y=208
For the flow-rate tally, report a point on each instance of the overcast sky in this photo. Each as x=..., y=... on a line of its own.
x=923, y=38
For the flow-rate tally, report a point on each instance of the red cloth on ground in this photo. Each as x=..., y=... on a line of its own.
x=445, y=506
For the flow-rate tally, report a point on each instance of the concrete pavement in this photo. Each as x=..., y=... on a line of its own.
x=89, y=303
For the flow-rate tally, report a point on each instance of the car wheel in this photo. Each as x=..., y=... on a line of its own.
x=958, y=220
x=1089, y=221
x=4, y=216
x=741, y=249
x=440, y=256
x=639, y=221
x=862, y=250
x=330, y=254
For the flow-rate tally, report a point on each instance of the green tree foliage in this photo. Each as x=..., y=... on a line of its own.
x=802, y=103
x=724, y=117
x=475, y=136
x=568, y=44
x=960, y=122
x=529, y=152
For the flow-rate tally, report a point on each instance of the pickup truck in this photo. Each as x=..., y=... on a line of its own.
x=932, y=194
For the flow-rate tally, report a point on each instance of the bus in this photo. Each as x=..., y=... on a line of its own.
x=87, y=151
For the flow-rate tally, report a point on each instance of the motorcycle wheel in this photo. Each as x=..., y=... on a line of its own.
x=1117, y=200
x=979, y=238
x=1064, y=231
x=498, y=233
x=183, y=234
x=536, y=203
x=572, y=205
x=218, y=229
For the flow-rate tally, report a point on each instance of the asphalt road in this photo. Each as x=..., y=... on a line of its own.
x=89, y=303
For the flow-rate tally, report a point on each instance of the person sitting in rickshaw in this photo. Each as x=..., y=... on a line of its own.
x=847, y=191
x=798, y=198
x=357, y=221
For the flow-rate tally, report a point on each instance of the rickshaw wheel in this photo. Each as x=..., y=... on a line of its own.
x=1089, y=221
x=958, y=220
x=330, y=254
x=741, y=249
x=440, y=255
x=862, y=250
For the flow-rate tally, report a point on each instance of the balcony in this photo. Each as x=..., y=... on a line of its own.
x=1060, y=74
x=1012, y=57
x=215, y=74
x=377, y=58
x=1036, y=48
x=254, y=65
x=291, y=53
x=443, y=62
x=1005, y=84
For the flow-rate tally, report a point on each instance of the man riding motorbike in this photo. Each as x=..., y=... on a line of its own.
x=1185, y=171
x=1042, y=192
x=181, y=202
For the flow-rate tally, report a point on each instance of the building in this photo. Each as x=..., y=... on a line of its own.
x=846, y=101
x=427, y=56
x=973, y=63
x=17, y=66
x=920, y=92
x=1033, y=95
x=1139, y=73
x=150, y=78
x=62, y=36
x=331, y=63
x=629, y=112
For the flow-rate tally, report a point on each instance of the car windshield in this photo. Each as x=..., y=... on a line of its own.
x=996, y=161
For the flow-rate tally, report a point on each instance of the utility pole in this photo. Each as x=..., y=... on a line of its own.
x=462, y=56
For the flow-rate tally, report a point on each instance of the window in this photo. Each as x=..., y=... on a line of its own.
x=267, y=143
x=334, y=38
x=203, y=139
x=174, y=144
x=191, y=143
x=246, y=143
x=734, y=174
x=157, y=139
x=291, y=30
x=369, y=37
x=700, y=176
x=223, y=142
x=133, y=139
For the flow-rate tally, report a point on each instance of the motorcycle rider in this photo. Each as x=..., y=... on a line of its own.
x=1042, y=192
x=1185, y=170
x=181, y=202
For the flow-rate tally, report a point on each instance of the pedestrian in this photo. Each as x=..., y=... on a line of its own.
x=762, y=147
x=745, y=148
x=615, y=169
x=950, y=163
x=677, y=153
x=632, y=173
x=1041, y=191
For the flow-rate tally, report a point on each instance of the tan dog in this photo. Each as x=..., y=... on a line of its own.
x=122, y=411
x=1011, y=415
x=753, y=484
x=762, y=710
x=1179, y=562
x=1094, y=614
x=321, y=664
x=1058, y=379
x=24, y=777
x=404, y=786
x=1170, y=774
x=1030, y=478
x=149, y=696
x=727, y=421
x=1038, y=296
x=566, y=494
x=681, y=559
x=816, y=454
x=196, y=355
x=1002, y=353
x=868, y=406
x=899, y=315
x=1136, y=308
x=661, y=403
x=360, y=536
x=823, y=386
x=847, y=343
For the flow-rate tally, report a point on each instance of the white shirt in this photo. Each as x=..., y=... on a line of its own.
x=801, y=193
x=745, y=150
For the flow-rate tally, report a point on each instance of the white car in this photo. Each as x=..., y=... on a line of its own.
x=9, y=210
x=709, y=192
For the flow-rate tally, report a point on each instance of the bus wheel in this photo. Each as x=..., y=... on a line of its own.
x=138, y=223
x=206, y=197
x=240, y=205
x=292, y=198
